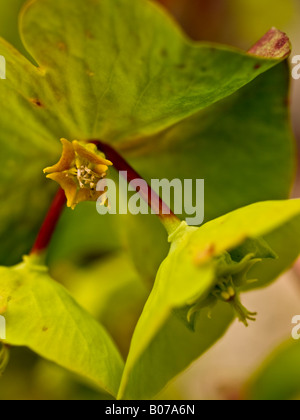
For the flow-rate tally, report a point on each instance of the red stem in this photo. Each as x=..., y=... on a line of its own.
x=48, y=227
x=168, y=218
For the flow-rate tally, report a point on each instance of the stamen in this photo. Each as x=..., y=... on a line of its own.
x=80, y=168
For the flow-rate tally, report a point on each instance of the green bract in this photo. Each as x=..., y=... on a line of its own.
x=40, y=314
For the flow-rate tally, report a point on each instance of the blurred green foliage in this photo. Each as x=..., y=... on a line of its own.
x=278, y=378
x=233, y=22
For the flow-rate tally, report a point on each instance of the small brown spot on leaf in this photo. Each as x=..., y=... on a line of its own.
x=62, y=46
x=205, y=255
x=3, y=305
x=89, y=35
x=90, y=73
x=257, y=66
x=36, y=102
x=45, y=329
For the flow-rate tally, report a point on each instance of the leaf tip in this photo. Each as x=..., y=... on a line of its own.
x=274, y=44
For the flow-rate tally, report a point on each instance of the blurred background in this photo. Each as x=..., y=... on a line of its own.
x=223, y=373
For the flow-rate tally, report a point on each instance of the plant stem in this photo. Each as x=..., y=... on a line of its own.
x=165, y=214
x=48, y=227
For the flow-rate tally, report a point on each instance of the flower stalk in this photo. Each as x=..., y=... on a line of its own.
x=170, y=221
x=48, y=227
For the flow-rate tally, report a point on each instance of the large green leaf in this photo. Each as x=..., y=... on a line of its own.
x=99, y=78
x=189, y=274
x=40, y=314
x=174, y=348
x=278, y=377
x=147, y=80
x=111, y=292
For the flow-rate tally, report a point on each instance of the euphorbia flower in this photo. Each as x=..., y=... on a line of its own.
x=231, y=269
x=217, y=275
x=79, y=170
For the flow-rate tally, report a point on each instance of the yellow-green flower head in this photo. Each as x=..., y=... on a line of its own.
x=80, y=168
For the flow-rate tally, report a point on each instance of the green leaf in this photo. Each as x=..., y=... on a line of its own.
x=174, y=348
x=232, y=229
x=197, y=260
x=111, y=292
x=102, y=80
x=41, y=315
x=155, y=71
x=278, y=377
